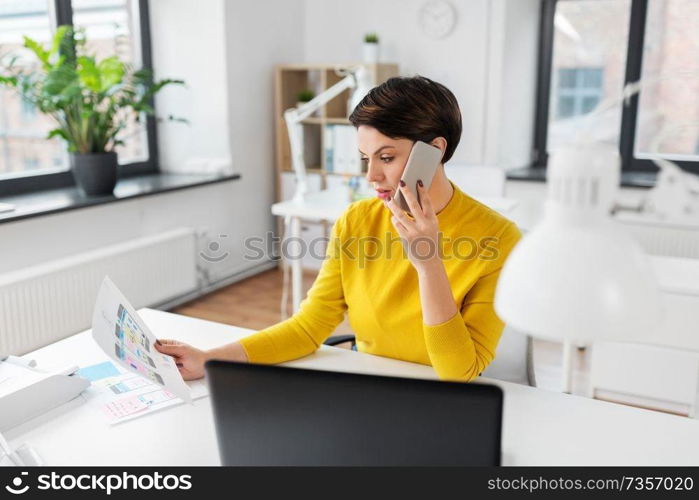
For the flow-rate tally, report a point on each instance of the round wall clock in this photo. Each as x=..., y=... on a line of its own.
x=437, y=18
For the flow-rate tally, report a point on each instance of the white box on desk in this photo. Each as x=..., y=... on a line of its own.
x=26, y=392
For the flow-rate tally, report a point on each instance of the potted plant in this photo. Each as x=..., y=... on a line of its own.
x=90, y=101
x=304, y=96
x=370, y=50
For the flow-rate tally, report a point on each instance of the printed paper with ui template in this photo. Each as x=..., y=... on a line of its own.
x=122, y=334
x=121, y=395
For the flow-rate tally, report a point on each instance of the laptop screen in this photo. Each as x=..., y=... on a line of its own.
x=272, y=415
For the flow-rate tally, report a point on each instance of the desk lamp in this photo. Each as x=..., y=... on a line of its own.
x=358, y=79
x=576, y=277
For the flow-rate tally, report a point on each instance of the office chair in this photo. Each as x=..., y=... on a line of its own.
x=514, y=361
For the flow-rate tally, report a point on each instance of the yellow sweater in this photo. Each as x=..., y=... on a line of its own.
x=367, y=275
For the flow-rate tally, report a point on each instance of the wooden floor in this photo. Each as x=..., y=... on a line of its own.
x=254, y=302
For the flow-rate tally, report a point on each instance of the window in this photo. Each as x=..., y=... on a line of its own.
x=578, y=91
x=29, y=111
x=22, y=130
x=588, y=51
x=668, y=109
x=29, y=161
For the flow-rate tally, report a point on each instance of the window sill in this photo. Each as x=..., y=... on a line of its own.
x=629, y=179
x=70, y=198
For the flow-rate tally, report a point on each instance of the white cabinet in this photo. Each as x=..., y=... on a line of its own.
x=662, y=369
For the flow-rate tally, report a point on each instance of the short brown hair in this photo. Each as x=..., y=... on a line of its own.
x=414, y=108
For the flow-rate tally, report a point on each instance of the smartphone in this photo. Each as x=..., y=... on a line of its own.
x=422, y=165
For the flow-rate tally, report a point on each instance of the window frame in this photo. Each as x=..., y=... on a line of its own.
x=629, y=114
x=31, y=182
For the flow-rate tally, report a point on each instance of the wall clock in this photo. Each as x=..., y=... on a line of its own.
x=437, y=18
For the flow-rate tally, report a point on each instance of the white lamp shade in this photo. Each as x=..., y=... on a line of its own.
x=571, y=283
x=577, y=276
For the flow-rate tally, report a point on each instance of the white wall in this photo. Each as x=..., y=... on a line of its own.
x=494, y=40
x=211, y=208
x=189, y=43
x=259, y=35
x=335, y=30
x=511, y=83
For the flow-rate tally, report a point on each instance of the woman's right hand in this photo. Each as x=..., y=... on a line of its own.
x=189, y=360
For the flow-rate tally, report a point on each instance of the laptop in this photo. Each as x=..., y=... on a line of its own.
x=279, y=416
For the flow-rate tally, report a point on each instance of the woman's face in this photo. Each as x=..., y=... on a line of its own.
x=385, y=159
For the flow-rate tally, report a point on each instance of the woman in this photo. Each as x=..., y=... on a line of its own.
x=417, y=287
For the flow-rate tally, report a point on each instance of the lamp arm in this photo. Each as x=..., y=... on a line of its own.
x=664, y=196
x=629, y=90
x=293, y=118
x=305, y=110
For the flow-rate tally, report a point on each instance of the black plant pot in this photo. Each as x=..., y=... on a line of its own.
x=95, y=173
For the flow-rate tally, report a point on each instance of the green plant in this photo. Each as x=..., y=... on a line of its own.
x=305, y=95
x=90, y=100
x=371, y=38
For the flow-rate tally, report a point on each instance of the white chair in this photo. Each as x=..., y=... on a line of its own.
x=476, y=180
x=514, y=360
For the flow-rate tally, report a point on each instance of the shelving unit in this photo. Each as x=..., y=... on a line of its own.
x=290, y=79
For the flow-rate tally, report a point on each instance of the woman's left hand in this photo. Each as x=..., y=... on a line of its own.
x=421, y=233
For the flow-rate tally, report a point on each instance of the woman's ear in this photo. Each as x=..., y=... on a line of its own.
x=441, y=143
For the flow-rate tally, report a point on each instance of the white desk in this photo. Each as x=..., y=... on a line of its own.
x=326, y=205
x=329, y=204
x=539, y=427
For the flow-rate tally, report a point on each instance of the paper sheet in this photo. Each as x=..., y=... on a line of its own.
x=120, y=395
x=14, y=377
x=122, y=334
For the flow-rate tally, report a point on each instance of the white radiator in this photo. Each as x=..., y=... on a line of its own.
x=664, y=239
x=47, y=302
